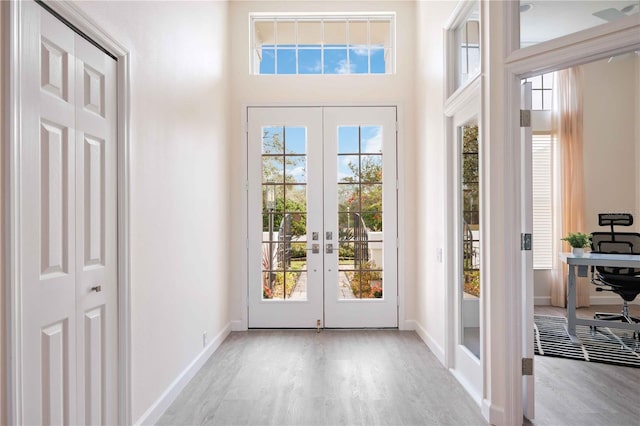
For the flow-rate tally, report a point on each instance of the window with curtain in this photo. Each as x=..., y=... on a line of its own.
x=542, y=170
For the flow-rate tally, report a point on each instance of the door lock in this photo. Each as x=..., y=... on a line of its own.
x=315, y=248
x=329, y=249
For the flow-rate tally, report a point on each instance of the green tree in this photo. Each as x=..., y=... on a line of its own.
x=274, y=160
x=288, y=199
x=365, y=196
x=470, y=174
x=297, y=211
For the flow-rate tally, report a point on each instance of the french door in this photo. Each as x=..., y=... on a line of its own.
x=322, y=217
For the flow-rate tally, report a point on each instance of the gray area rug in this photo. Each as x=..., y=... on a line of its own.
x=606, y=345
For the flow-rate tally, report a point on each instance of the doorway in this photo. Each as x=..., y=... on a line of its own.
x=322, y=217
x=607, y=154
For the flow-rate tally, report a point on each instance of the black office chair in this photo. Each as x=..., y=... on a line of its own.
x=622, y=281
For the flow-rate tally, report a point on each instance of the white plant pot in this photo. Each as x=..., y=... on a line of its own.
x=578, y=251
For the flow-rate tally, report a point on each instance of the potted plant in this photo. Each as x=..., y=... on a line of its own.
x=578, y=241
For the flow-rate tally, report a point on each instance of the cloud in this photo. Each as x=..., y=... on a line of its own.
x=364, y=49
x=344, y=171
x=360, y=49
x=374, y=143
x=345, y=68
x=315, y=68
x=299, y=173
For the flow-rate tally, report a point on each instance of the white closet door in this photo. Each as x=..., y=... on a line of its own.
x=68, y=340
x=96, y=267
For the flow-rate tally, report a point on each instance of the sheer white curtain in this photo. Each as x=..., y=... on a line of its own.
x=567, y=133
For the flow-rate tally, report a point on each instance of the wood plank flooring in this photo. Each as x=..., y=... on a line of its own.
x=570, y=392
x=370, y=377
x=336, y=377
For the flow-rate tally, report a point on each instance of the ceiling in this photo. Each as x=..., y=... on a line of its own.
x=546, y=20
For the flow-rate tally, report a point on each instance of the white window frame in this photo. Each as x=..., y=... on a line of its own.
x=547, y=86
x=390, y=49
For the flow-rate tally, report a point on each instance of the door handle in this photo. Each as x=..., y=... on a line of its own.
x=315, y=248
x=97, y=288
x=329, y=249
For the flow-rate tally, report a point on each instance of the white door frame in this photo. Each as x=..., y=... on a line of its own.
x=461, y=107
x=87, y=26
x=462, y=104
x=404, y=323
x=586, y=46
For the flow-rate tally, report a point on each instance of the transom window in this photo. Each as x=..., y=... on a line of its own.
x=467, y=39
x=323, y=44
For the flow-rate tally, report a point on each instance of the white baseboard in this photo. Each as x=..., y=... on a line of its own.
x=157, y=409
x=236, y=325
x=435, y=348
x=492, y=414
x=469, y=388
x=542, y=300
x=407, y=325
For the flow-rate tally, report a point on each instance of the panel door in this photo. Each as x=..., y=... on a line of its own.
x=96, y=230
x=322, y=217
x=67, y=202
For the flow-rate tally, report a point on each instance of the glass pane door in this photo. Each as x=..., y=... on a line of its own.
x=360, y=211
x=322, y=217
x=285, y=171
x=470, y=224
x=284, y=213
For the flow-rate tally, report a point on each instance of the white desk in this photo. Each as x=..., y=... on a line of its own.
x=583, y=262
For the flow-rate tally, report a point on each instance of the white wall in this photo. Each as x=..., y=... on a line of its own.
x=179, y=182
x=610, y=144
x=610, y=141
x=430, y=162
x=322, y=90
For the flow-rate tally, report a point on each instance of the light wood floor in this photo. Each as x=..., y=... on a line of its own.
x=364, y=377
x=572, y=392
x=367, y=377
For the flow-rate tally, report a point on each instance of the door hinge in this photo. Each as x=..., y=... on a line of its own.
x=397, y=126
x=525, y=118
x=527, y=366
x=525, y=242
